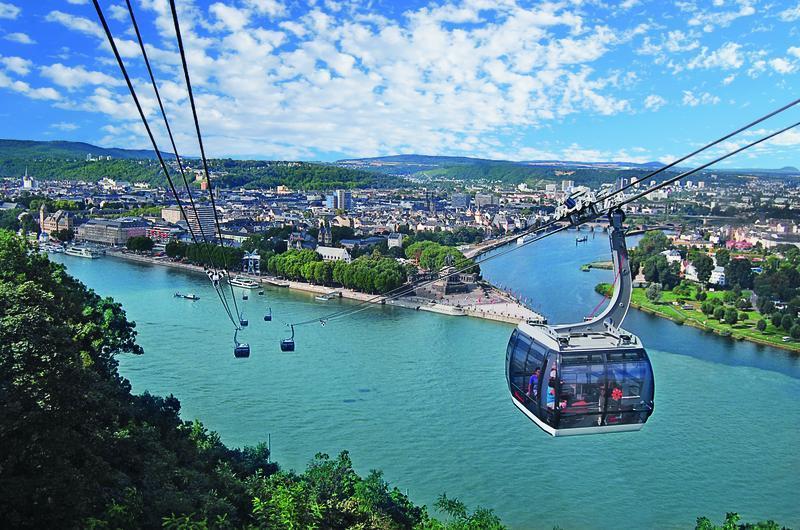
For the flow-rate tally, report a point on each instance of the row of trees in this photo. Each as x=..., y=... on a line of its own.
x=140, y=244
x=118, y=460
x=205, y=254
x=370, y=274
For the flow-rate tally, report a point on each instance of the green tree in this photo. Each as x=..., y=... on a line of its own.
x=65, y=234
x=722, y=256
x=704, y=265
x=794, y=331
x=731, y=316
x=761, y=325
x=787, y=322
x=139, y=244
x=653, y=292
x=738, y=273
x=719, y=313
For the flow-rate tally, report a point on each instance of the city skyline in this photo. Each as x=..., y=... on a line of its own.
x=337, y=80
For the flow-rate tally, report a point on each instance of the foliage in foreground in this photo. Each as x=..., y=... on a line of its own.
x=732, y=523
x=80, y=451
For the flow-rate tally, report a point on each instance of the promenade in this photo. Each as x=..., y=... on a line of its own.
x=489, y=303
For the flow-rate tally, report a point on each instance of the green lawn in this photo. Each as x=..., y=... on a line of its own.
x=670, y=306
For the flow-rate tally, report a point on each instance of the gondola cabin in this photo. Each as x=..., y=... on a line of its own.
x=287, y=345
x=579, y=383
x=241, y=350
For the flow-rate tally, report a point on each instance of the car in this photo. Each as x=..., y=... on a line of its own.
x=786, y=339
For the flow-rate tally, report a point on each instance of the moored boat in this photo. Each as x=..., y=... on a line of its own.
x=81, y=252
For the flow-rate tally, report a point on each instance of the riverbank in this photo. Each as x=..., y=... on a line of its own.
x=689, y=313
x=498, y=306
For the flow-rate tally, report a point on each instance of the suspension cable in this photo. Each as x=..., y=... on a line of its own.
x=200, y=142
x=705, y=147
x=146, y=124
x=205, y=247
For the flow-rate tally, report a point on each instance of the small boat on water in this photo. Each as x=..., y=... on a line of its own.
x=81, y=252
x=244, y=283
x=581, y=239
x=276, y=282
x=328, y=296
x=53, y=247
x=189, y=296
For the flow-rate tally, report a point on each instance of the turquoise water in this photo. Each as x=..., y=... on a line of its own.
x=423, y=397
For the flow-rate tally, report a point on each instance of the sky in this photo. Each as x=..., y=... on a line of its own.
x=584, y=80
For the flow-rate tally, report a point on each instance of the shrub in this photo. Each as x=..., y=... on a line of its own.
x=719, y=313
x=653, y=292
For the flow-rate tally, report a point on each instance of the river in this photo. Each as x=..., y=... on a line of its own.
x=423, y=397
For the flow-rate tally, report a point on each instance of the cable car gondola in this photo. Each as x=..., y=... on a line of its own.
x=288, y=344
x=240, y=349
x=268, y=315
x=244, y=296
x=243, y=320
x=586, y=378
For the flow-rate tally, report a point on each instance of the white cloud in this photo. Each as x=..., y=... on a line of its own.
x=794, y=51
x=728, y=80
x=78, y=2
x=654, y=102
x=271, y=8
x=76, y=23
x=727, y=57
x=704, y=98
x=20, y=38
x=64, y=126
x=708, y=20
x=791, y=14
x=118, y=12
x=25, y=89
x=76, y=77
x=9, y=11
x=782, y=66
x=17, y=65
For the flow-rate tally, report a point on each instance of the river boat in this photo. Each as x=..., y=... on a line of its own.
x=276, y=282
x=244, y=283
x=81, y=252
x=190, y=296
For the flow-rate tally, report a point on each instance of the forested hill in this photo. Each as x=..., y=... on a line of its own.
x=67, y=161
x=62, y=149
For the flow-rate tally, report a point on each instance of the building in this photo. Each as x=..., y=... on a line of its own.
x=334, y=254
x=486, y=199
x=567, y=185
x=325, y=237
x=202, y=221
x=718, y=276
x=171, y=214
x=61, y=220
x=395, y=240
x=163, y=234
x=460, y=201
x=339, y=200
x=115, y=232
x=29, y=183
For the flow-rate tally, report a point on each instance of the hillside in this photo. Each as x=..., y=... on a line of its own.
x=67, y=161
x=62, y=149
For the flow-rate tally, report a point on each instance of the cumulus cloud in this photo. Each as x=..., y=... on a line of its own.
x=654, y=102
x=9, y=11
x=76, y=23
x=692, y=100
x=76, y=77
x=791, y=14
x=727, y=57
x=20, y=38
x=21, y=87
x=16, y=65
x=782, y=66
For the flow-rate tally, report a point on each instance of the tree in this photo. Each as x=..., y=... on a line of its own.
x=722, y=256
x=738, y=273
x=776, y=319
x=703, y=265
x=787, y=322
x=731, y=316
x=139, y=244
x=794, y=331
x=653, y=292
x=761, y=325
x=701, y=295
x=65, y=234
x=719, y=313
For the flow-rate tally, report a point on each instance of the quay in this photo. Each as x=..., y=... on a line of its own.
x=496, y=305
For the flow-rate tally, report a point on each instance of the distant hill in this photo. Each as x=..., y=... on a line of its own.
x=66, y=150
x=67, y=161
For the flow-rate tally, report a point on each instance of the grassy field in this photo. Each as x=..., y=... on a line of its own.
x=671, y=306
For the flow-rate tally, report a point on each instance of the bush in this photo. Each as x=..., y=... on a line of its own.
x=761, y=325
x=653, y=292
x=743, y=316
x=719, y=313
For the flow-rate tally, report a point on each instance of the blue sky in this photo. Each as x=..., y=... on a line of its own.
x=588, y=80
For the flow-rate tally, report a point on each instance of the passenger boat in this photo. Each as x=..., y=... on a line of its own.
x=52, y=247
x=187, y=296
x=81, y=252
x=244, y=283
x=276, y=282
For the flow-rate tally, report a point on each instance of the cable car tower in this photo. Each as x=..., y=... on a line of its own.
x=585, y=378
